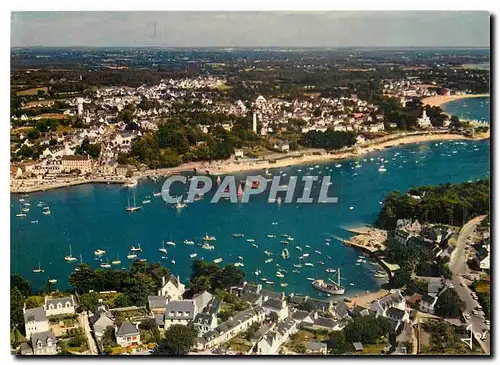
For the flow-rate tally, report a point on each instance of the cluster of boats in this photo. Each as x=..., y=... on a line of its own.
x=26, y=206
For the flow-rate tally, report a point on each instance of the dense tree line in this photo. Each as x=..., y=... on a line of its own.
x=367, y=330
x=135, y=285
x=329, y=140
x=211, y=277
x=447, y=203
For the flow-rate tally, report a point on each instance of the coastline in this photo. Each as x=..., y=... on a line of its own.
x=439, y=100
x=372, y=146
x=232, y=166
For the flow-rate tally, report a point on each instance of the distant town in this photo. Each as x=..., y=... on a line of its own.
x=68, y=129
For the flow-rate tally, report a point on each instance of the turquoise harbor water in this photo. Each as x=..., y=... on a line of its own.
x=93, y=216
x=469, y=108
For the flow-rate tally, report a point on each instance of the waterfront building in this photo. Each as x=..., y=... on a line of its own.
x=424, y=121
x=395, y=299
x=82, y=163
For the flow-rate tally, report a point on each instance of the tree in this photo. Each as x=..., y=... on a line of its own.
x=108, y=338
x=23, y=285
x=88, y=301
x=178, y=341
x=33, y=134
x=449, y=304
x=121, y=301
x=16, y=309
x=83, y=280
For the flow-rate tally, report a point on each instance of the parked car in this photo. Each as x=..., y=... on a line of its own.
x=474, y=312
x=467, y=316
x=486, y=322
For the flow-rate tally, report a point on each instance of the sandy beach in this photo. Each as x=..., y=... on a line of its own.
x=233, y=166
x=375, y=145
x=439, y=100
x=364, y=300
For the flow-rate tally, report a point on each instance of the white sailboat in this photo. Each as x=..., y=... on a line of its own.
x=38, y=269
x=136, y=249
x=117, y=261
x=163, y=249
x=70, y=258
x=134, y=207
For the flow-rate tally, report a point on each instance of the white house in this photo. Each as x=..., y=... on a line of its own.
x=127, y=334
x=173, y=288
x=35, y=321
x=59, y=306
x=231, y=328
x=424, y=121
x=272, y=341
x=179, y=312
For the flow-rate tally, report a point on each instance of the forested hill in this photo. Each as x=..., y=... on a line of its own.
x=447, y=203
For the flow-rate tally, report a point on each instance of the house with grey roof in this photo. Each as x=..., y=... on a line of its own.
x=359, y=311
x=202, y=299
x=59, y=306
x=251, y=293
x=127, y=334
x=157, y=304
x=172, y=288
x=25, y=349
x=394, y=299
x=397, y=314
x=44, y=343
x=301, y=316
x=316, y=348
x=205, y=322
x=231, y=328
x=276, y=305
x=272, y=341
x=101, y=320
x=341, y=310
x=35, y=321
x=179, y=312
x=434, y=286
x=319, y=323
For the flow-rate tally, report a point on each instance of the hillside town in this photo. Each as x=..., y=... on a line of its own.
x=96, y=133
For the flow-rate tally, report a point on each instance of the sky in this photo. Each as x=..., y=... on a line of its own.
x=251, y=29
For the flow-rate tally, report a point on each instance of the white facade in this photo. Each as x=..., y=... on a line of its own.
x=35, y=321
x=173, y=288
x=59, y=306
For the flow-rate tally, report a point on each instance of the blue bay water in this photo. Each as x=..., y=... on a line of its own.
x=469, y=108
x=93, y=216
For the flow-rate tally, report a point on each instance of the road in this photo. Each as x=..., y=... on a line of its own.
x=458, y=267
x=84, y=324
